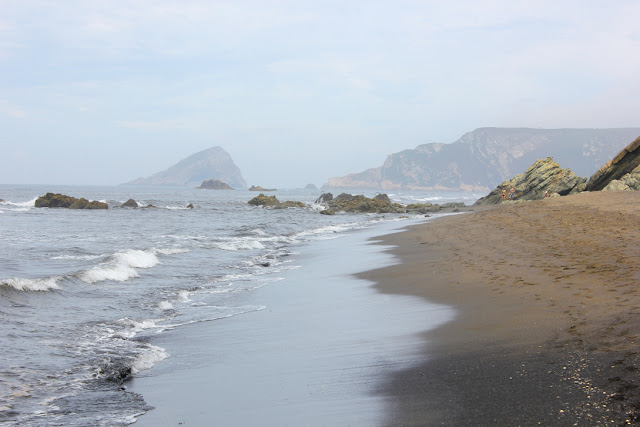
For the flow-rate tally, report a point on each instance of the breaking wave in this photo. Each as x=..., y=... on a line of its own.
x=21, y=284
x=120, y=266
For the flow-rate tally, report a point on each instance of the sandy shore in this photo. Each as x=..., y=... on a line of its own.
x=548, y=323
x=313, y=356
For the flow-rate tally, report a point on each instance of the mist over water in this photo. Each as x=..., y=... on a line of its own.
x=84, y=295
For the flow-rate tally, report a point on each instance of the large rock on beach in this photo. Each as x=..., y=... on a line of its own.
x=625, y=163
x=51, y=200
x=544, y=175
x=214, y=184
x=628, y=182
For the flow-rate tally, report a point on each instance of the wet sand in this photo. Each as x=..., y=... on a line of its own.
x=548, y=324
x=312, y=357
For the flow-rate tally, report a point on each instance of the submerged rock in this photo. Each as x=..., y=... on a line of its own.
x=51, y=200
x=544, y=175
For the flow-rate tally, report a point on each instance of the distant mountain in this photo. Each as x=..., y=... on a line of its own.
x=213, y=163
x=482, y=159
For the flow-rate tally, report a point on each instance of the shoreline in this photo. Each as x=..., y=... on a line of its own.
x=313, y=356
x=548, y=320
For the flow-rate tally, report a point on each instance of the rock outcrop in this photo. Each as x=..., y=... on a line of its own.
x=273, y=202
x=359, y=203
x=129, y=204
x=213, y=163
x=545, y=175
x=214, y=184
x=378, y=204
x=258, y=188
x=623, y=168
x=481, y=159
x=51, y=200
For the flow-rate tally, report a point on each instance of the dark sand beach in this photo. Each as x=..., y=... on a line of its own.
x=547, y=332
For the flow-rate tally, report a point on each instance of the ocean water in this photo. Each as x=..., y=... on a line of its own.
x=86, y=297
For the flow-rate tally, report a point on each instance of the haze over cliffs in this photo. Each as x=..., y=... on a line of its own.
x=212, y=163
x=482, y=159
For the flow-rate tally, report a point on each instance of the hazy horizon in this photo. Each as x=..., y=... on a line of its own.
x=296, y=91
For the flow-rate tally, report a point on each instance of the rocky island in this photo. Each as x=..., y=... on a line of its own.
x=259, y=188
x=214, y=184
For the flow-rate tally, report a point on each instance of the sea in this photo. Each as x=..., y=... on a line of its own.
x=86, y=296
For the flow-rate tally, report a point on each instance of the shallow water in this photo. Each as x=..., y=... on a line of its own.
x=89, y=299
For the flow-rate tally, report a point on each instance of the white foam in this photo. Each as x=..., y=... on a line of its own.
x=148, y=358
x=121, y=266
x=22, y=284
x=239, y=245
x=165, y=305
x=184, y=296
x=77, y=257
x=133, y=327
x=29, y=204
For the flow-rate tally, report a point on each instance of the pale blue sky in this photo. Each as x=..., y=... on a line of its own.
x=103, y=92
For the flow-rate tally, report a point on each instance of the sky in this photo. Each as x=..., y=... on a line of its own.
x=103, y=92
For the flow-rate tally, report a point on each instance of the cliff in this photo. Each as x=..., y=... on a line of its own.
x=482, y=159
x=213, y=163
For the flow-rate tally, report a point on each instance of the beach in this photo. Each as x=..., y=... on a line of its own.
x=313, y=356
x=548, y=314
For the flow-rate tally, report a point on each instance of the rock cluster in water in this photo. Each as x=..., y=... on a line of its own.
x=258, y=188
x=273, y=202
x=51, y=200
x=378, y=204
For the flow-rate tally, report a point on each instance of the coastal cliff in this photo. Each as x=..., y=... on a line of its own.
x=481, y=159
